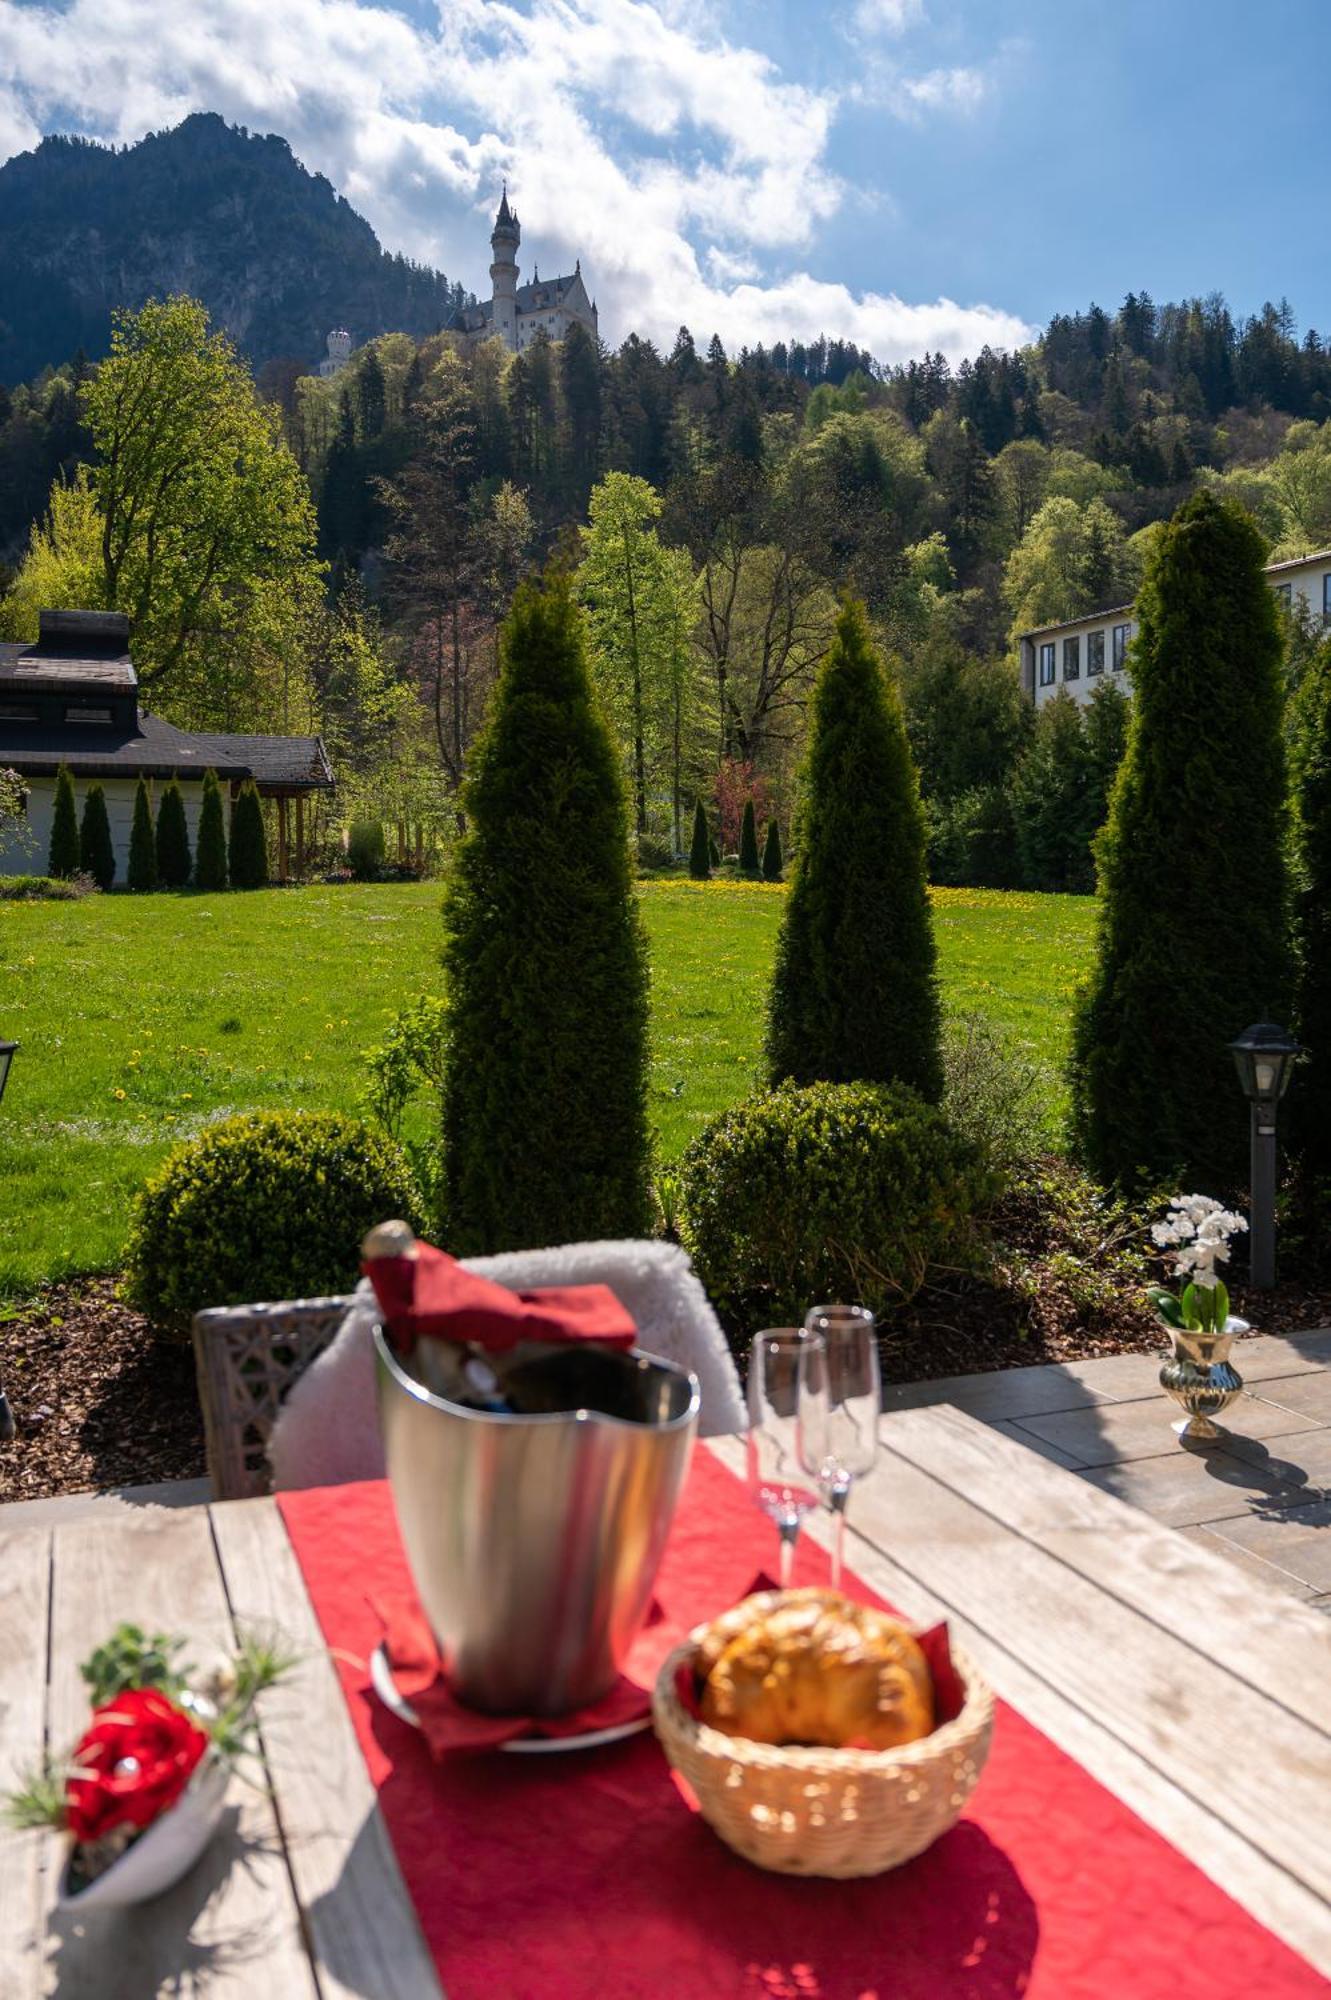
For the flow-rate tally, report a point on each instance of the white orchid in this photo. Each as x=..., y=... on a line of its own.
x=1196, y=1233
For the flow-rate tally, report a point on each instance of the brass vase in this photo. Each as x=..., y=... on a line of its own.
x=1201, y=1378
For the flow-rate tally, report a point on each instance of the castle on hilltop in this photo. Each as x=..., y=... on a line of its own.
x=519, y=313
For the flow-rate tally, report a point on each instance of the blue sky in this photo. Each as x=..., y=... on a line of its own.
x=908, y=173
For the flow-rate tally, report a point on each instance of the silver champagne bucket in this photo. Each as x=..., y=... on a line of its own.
x=534, y=1540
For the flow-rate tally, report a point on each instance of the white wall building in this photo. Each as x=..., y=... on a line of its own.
x=1080, y=654
x=520, y=314
x=73, y=700
x=339, y=353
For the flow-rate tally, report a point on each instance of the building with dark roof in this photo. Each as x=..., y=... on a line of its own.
x=73, y=699
x=520, y=313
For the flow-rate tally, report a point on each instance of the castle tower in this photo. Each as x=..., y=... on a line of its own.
x=504, y=272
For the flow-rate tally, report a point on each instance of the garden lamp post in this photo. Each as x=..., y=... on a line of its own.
x=1264, y=1056
x=7, y=1427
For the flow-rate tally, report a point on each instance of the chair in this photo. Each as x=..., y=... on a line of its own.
x=247, y=1358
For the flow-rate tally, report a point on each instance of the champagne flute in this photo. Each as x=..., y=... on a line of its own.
x=839, y=1403
x=775, y=1479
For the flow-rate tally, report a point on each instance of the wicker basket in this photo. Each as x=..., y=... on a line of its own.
x=827, y=1812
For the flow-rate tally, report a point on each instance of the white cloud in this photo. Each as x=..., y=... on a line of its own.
x=888, y=17
x=945, y=89
x=687, y=171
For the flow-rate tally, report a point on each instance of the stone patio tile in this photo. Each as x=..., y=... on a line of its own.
x=1320, y=1604
x=1308, y=1394
x=1112, y=1431
x=1003, y=1392
x=1265, y=1355
x=1189, y=1487
x=1298, y=1541
x=1053, y=1452
x=1265, y=1572
x=1301, y=1460
x=1121, y=1378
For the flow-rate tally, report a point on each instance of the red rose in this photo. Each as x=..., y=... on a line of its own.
x=134, y=1761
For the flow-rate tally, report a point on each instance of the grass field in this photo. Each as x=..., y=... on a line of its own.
x=142, y=1018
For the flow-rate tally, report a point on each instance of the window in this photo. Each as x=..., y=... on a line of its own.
x=1326, y=598
x=1072, y=658
x=1285, y=594
x=1047, y=665
x=1095, y=652
x=73, y=714
x=17, y=711
x=1121, y=633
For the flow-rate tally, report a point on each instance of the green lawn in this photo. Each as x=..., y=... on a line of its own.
x=141, y=1018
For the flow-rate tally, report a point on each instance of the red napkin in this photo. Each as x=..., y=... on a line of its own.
x=430, y=1293
x=447, y=1724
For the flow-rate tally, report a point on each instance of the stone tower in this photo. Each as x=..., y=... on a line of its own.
x=504, y=272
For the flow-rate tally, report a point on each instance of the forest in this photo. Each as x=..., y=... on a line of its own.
x=714, y=508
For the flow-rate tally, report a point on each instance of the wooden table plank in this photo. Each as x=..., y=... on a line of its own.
x=358, y=1914
x=25, y=1577
x=232, y=1926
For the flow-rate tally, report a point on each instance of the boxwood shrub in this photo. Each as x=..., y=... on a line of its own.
x=269, y=1205
x=828, y=1191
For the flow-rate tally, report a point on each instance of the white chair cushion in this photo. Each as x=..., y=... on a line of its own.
x=328, y=1429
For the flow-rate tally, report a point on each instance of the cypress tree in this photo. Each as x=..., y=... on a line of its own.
x=748, y=844
x=773, y=861
x=713, y=851
x=700, y=851
x=173, y=856
x=854, y=995
x=97, y=857
x=142, y=873
x=249, y=845
x=210, y=850
x=545, y=1078
x=1310, y=1093
x=63, y=858
x=1193, y=925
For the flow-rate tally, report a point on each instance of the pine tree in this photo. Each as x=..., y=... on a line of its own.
x=63, y=858
x=249, y=844
x=1193, y=930
x=545, y=1081
x=173, y=856
x=142, y=872
x=210, y=850
x=748, y=844
x=97, y=856
x=854, y=995
x=700, y=852
x=1310, y=1093
x=773, y=863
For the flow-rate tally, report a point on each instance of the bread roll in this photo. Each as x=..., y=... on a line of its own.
x=810, y=1667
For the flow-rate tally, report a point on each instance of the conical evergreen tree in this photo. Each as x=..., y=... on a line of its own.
x=854, y=994
x=210, y=848
x=1193, y=935
x=773, y=860
x=545, y=1082
x=249, y=844
x=173, y=856
x=713, y=851
x=748, y=843
x=63, y=857
x=700, y=851
x=142, y=872
x=1310, y=1093
x=97, y=857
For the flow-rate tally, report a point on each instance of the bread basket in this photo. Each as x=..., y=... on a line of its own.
x=826, y=1812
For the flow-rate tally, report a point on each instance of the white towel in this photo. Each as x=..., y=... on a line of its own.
x=328, y=1429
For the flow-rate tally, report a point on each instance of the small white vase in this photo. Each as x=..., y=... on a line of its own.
x=163, y=1852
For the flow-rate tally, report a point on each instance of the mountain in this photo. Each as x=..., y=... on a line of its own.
x=274, y=252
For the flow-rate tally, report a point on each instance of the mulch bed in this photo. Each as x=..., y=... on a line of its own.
x=100, y=1402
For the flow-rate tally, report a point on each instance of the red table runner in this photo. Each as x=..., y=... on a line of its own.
x=585, y=1877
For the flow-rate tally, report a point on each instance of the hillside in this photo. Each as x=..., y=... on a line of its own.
x=233, y=218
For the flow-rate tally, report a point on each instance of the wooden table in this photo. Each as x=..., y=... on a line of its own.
x=1198, y=1696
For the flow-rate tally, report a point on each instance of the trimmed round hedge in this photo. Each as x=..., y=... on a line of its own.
x=270, y=1205
x=829, y=1191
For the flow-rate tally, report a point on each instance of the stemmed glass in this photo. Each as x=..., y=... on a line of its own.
x=839, y=1404
x=775, y=1478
